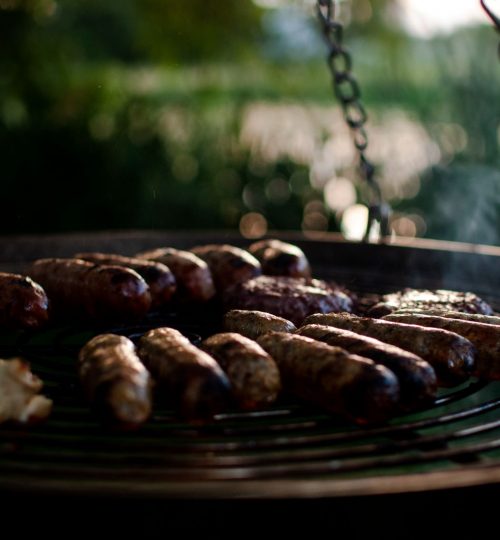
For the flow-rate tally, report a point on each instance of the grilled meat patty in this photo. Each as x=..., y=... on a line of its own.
x=466, y=302
x=290, y=298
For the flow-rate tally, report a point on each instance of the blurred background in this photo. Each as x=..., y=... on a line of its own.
x=196, y=114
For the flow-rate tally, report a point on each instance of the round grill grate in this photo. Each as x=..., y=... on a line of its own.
x=251, y=453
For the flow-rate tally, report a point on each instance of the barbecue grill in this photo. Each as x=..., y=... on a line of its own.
x=289, y=464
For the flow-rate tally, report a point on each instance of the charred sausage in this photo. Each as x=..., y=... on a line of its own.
x=253, y=324
x=253, y=374
x=485, y=337
x=187, y=378
x=342, y=383
x=159, y=277
x=451, y=355
x=98, y=292
x=417, y=378
x=228, y=264
x=281, y=258
x=474, y=317
x=194, y=280
x=23, y=303
x=115, y=382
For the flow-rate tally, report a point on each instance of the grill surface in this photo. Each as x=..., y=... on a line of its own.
x=287, y=451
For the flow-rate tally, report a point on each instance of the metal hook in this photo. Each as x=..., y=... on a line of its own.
x=491, y=15
x=330, y=9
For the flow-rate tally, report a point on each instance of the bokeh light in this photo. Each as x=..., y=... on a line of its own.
x=354, y=222
x=278, y=190
x=102, y=126
x=408, y=225
x=253, y=225
x=339, y=194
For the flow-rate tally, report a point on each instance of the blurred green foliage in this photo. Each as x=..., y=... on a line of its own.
x=127, y=114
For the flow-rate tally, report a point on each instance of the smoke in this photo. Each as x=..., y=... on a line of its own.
x=461, y=203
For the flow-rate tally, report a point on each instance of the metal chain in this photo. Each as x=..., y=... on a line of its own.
x=495, y=19
x=347, y=91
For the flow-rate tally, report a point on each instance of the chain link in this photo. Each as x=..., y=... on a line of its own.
x=347, y=91
x=495, y=19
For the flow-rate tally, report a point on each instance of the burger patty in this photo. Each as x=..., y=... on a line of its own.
x=291, y=298
x=465, y=302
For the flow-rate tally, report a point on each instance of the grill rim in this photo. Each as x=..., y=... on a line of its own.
x=458, y=478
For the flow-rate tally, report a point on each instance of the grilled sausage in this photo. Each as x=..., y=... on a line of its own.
x=417, y=378
x=253, y=374
x=253, y=324
x=115, y=382
x=23, y=303
x=281, y=258
x=194, y=280
x=485, y=337
x=451, y=355
x=159, y=277
x=187, y=378
x=228, y=264
x=99, y=292
x=342, y=383
x=474, y=317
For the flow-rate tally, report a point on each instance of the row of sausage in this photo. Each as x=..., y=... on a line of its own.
x=362, y=369
x=113, y=287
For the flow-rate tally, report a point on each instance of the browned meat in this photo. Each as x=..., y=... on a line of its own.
x=342, y=383
x=228, y=264
x=253, y=374
x=417, y=378
x=474, y=317
x=290, y=298
x=253, y=324
x=160, y=279
x=23, y=303
x=99, y=292
x=466, y=302
x=187, y=378
x=281, y=258
x=115, y=382
x=485, y=337
x=20, y=400
x=194, y=280
x=451, y=355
